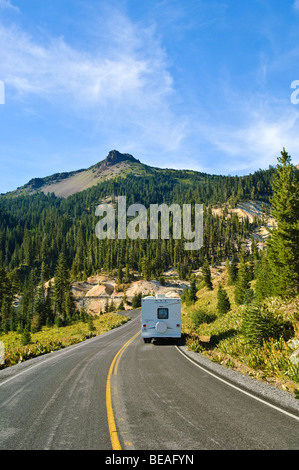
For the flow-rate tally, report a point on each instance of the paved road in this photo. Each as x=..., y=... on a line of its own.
x=58, y=401
x=166, y=402
x=160, y=401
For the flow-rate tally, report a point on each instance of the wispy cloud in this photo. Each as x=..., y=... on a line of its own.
x=296, y=5
x=257, y=142
x=8, y=5
x=123, y=81
x=57, y=69
x=122, y=85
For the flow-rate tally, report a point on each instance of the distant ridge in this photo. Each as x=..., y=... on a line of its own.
x=68, y=183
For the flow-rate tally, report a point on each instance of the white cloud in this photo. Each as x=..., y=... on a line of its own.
x=257, y=143
x=123, y=81
x=296, y=4
x=57, y=69
x=122, y=84
x=7, y=4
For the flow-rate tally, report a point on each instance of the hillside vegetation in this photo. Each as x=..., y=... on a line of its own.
x=24, y=344
x=256, y=340
x=249, y=317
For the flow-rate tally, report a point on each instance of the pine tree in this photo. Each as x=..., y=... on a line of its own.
x=48, y=305
x=263, y=286
x=91, y=326
x=26, y=336
x=63, y=299
x=223, y=303
x=39, y=310
x=119, y=274
x=145, y=267
x=242, y=283
x=127, y=276
x=283, y=245
x=206, y=272
x=28, y=298
x=193, y=291
x=28, y=248
x=5, y=314
x=61, y=284
x=3, y=285
x=232, y=272
x=136, y=301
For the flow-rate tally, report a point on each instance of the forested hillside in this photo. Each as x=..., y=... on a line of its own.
x=43, y=235
x=245, y=314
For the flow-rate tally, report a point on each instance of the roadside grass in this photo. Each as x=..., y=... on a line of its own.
x=50, y=339
x=221, y=338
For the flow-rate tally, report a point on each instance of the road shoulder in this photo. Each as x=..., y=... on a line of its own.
x=269, y=393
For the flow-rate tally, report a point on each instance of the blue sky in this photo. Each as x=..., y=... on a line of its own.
x=200, y=84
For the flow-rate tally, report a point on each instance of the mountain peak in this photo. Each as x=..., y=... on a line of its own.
x=114, y=156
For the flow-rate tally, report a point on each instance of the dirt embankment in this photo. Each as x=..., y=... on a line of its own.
x=96, y=291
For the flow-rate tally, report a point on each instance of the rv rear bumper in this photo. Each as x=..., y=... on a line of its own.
x=155, y=334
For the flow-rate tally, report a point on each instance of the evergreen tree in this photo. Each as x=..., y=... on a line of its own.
x=91, y=326
x=119, y=274
x=39, y=306
x=283, y=246
x=28, y=298
x=232, y=271
x=63, y=299
x=26, y=336
x=49, y=313
x=145, y=267
x=5, y=314
x=127, y=276
x=206, y=272
x=69, y=305
x=3, y=285
x=242, y=283
x=263, y=287
x=223, y=303
x=193, y=291
x=136, y=301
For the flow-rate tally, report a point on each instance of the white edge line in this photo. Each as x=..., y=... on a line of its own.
x=60, y=352
x=238, y=388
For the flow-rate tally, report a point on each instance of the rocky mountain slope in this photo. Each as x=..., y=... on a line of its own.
x=68, y=183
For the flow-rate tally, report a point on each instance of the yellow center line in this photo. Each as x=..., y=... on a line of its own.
x=111, y=421
x=122, y=351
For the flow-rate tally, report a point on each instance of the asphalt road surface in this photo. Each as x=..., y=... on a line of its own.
x=116, y=392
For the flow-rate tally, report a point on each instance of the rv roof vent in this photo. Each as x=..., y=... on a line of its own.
x=160, y=296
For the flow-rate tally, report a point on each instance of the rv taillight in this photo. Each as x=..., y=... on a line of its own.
x=178, y=325
x=144, y=326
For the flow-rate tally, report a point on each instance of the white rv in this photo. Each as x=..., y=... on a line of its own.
x=160, y=317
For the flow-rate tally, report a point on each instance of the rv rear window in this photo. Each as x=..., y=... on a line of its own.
x=162, y=313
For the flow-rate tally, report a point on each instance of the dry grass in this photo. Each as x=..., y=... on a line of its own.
x=50, y=339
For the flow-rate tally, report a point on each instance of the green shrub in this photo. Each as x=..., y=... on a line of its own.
x=200, y=316
x=260, y=324
x=26, y=337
